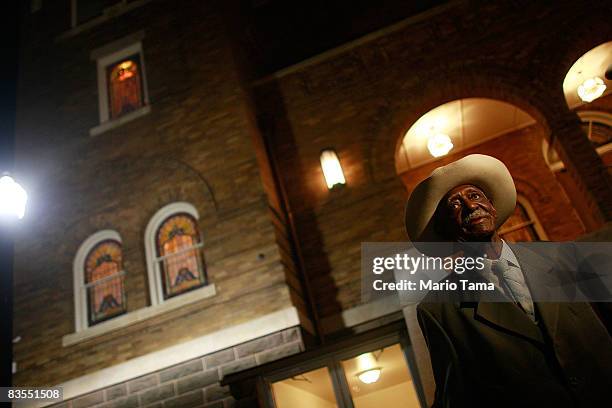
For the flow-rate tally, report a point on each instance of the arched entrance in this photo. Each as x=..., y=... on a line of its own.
x=503, y=130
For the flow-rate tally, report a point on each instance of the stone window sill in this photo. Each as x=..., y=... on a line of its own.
x=139, y=315
x=112, y=124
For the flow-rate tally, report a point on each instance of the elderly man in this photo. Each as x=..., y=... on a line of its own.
x=513, y=353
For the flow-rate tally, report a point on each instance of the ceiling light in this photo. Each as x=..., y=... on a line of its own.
x=332, y=170
x=439, y=144
x=369, y=376
x=591, y=89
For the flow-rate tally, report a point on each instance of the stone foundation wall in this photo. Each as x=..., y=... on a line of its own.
x=194, y=383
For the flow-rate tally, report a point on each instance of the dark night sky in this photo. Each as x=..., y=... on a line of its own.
x=279, y=33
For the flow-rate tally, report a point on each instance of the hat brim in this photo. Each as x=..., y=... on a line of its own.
x=485, y=172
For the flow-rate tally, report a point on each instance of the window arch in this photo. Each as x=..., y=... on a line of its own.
x=99, y=280
x=175, y=263
x=597, y=126
x=523, y=225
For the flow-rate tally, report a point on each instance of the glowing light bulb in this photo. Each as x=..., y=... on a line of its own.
x=13, y=198
x=439, y=144
x=591, y=89
x=369, y=376
x=332, y=170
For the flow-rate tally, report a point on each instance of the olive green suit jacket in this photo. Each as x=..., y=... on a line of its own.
x=490, y=354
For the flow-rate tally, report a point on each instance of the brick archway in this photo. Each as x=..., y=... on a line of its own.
x=483, y=82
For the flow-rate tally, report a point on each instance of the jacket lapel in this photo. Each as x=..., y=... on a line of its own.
x=509, y=317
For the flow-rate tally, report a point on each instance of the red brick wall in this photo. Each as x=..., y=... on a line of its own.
x=195, y=145
x=360, y=100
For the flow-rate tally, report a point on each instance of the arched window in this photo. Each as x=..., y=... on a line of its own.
x=597, y=126
x=174, y=252
x=522, y=225
x=98, y=279
x=125, y=86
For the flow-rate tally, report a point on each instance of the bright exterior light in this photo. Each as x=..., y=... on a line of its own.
x=439, y=144
x=13, y=198
x=369, y=376
x=332, y=169
x=591, y=89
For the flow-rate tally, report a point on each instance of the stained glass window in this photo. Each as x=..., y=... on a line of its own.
x=125, y=88
x=178, y=252
x=104, y=282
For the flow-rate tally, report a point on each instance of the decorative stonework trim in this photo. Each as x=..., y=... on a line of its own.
x=139, y=315
x=112, y=124
x=179, y=353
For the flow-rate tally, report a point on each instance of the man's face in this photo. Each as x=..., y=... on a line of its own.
x=467, y=214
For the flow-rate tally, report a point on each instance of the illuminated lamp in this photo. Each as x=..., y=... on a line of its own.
x=591, y=89
x=439, y=144
x=332, y=170
x=369, y=376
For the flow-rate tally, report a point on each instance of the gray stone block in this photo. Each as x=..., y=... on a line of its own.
x=125, y=402
x=291, y=335
x=217, y=392
x=217, y=404
x=142, y=383
x=218, y=358
x=116, y=392
x=191, y=399
x=238, y=365
x=181, y=370
x=278, y=353
x=89, y=400
x=198, y=380
x=157, y=394
x=261, y=344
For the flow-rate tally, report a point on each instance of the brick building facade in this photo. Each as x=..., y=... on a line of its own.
x=238, y=137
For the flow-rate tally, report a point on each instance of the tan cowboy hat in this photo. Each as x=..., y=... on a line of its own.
x=485, y=172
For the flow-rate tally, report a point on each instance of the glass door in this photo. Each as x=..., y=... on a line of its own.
x=371, y=375
x=312, y=389
x=380, y=378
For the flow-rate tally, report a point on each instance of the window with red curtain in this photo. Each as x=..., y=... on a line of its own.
x=179, y=254
x=125, y=89
x=104, y=282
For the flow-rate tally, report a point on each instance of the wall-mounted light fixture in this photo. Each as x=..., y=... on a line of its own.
x=332, y=170
x=591, y=89
x=13, y=198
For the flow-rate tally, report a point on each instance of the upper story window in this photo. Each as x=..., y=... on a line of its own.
x=122, y=82
x=125, y=90
x=99, y=279
x=174, y=252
